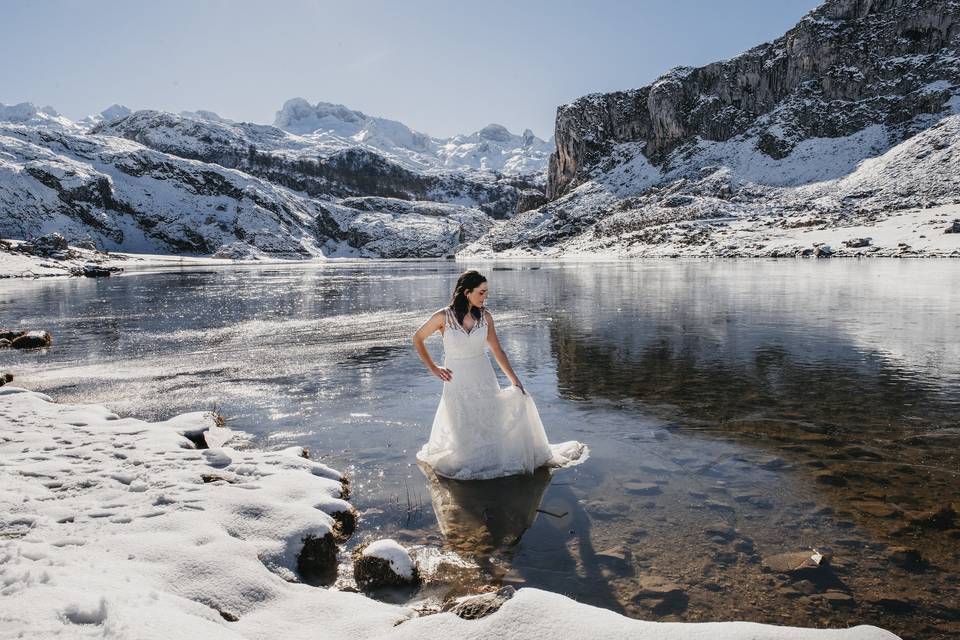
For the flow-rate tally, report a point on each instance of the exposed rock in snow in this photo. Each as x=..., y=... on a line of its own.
x=384, y=563
x=849, y=117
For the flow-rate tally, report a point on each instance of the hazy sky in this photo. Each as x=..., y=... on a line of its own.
x=439, y=67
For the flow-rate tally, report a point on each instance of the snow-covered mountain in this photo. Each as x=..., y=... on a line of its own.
x=126, y=196
x=493, y=148
x=849, y=120
x=27, y=113
x=200, y=184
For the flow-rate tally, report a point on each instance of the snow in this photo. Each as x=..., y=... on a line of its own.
x=108, y=530
x=394, y=553
x=327, y=128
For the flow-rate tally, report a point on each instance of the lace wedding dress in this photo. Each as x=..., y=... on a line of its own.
x=481, y=431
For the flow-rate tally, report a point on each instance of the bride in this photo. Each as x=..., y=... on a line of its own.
x=481, y=431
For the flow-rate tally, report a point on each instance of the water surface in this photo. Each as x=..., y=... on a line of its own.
x=735, y=410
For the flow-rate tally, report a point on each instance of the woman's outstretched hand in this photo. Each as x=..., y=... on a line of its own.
x=519, y=385
x=443, y=373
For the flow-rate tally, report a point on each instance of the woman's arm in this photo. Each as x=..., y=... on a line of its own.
x=499, y=355
x=433, y=323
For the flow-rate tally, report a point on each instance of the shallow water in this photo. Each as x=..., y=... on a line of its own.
x=735, y=410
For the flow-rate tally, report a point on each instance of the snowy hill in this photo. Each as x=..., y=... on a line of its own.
x=848, y=120
x=126, y=196
x=196, y=183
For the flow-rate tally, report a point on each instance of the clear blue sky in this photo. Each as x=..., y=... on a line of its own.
x=440, y=67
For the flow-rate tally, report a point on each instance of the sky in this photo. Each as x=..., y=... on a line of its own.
x=439, y=67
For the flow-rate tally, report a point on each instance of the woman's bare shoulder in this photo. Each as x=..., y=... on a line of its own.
x=487, y=314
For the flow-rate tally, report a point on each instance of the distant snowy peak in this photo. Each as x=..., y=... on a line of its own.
x=325, y=119
x=27, y=113
x=202, y=114
x=493, y=148
x=110, y=114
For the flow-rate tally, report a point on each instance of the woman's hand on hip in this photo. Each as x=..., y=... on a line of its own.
x=443, y=373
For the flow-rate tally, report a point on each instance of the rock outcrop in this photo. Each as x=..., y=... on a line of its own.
x=848, y=121
x=845, y=66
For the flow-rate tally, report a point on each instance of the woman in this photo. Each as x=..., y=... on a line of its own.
x=481, y=430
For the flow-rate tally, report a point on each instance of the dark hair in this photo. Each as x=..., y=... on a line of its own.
x=468, y=281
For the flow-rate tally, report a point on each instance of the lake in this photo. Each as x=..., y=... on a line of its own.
x=736, y=412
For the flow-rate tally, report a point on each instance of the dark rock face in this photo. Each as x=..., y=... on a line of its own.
x=530, y=199
x=846, y=65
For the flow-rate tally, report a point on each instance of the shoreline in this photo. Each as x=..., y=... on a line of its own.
x=124, y=525
x=759, y=239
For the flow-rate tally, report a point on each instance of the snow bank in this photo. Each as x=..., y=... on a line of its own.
x=115, y=527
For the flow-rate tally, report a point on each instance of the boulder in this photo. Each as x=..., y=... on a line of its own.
x=856, y=243
x=32, y=340
x=823, y=251
x=8, y=334
x=474, y=607
x=797, y=562
x=953, y=228
x=5, y=378
x=384, y=563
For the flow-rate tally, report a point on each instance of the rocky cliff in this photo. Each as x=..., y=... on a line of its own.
x=848, y=121
x=846, y=65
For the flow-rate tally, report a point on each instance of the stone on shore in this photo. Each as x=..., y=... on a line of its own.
x=32, y=340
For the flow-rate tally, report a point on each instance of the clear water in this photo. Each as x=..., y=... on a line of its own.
x=735, y=410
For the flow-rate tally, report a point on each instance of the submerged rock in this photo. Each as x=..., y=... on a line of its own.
x=906, y=558
x=642, y=488
x=796, y=562
x=659, y=595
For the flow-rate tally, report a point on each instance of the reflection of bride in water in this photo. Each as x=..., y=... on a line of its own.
x=477, y=517
x=480, y=430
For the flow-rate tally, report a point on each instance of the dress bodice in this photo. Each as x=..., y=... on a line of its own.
x=458, y=343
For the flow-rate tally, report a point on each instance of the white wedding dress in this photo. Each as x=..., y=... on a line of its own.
x=481, y=431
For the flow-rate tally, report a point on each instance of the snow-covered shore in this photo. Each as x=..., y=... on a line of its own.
x=114, y=527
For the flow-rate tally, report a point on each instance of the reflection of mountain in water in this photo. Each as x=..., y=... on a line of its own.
x=478, y=517
x=722, y=344
x=688, y=372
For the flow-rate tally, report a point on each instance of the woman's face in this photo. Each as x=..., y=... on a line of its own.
x=478, y=296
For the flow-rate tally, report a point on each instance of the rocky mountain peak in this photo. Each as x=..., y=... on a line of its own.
x=844, y=66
